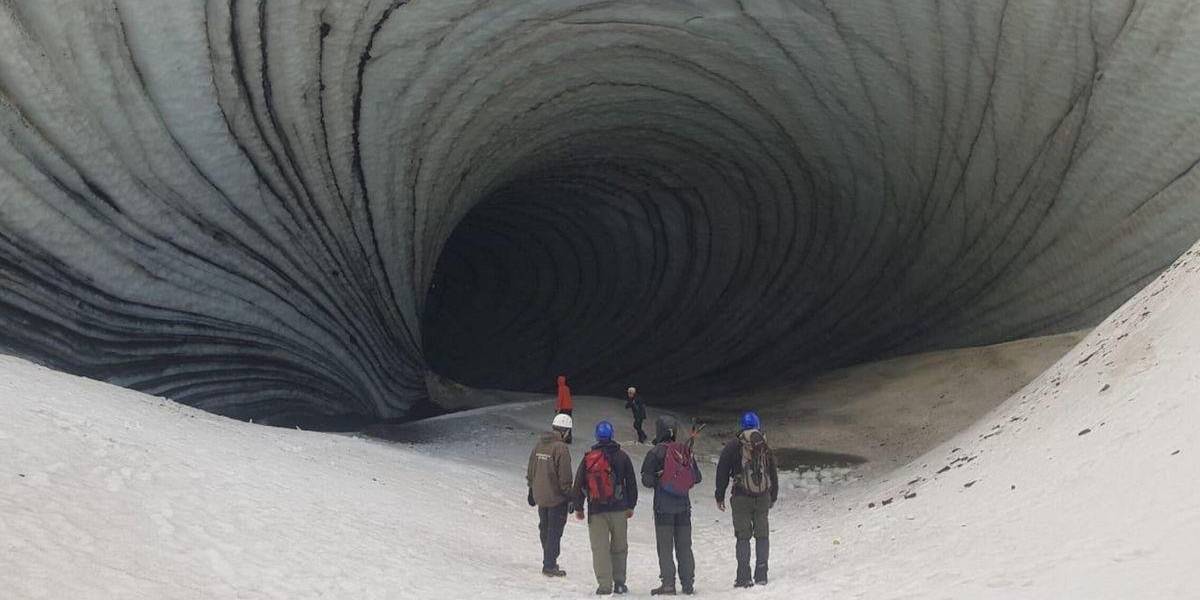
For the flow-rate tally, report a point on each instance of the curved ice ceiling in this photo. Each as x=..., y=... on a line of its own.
x=280, y=208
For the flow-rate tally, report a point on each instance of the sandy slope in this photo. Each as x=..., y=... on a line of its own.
x=892, y=411
x=1076, y=490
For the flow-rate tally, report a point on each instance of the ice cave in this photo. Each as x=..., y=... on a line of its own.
x=309, y=212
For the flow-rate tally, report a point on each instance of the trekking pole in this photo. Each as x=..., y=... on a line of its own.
x=696, y=429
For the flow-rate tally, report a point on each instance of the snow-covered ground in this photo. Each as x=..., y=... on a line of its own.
x=1082, y=485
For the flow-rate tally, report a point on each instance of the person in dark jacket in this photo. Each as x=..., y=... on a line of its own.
x=549, y=478
x=752, y=499
x=638, y=406
x=608, y=521
x=672, y=515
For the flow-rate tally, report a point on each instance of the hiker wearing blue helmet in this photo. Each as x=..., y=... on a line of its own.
x=748, y=461
x=608, y=483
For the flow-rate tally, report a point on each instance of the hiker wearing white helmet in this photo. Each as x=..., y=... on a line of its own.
x=634, y=402
x=550, y=488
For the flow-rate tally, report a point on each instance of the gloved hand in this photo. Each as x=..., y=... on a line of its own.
x=531, y=501
x=570, y=507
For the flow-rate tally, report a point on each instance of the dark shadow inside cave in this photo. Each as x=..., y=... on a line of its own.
x=551, y=275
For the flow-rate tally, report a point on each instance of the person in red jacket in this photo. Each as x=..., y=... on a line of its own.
x=564, y=405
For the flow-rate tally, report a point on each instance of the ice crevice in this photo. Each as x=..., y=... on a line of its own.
x=277, y=210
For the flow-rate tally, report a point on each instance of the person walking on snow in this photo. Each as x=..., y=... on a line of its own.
x=638, y=406
x=748, y=460
x=671, y=470
x=564, y=405
x=550, y=490
x=607, y=481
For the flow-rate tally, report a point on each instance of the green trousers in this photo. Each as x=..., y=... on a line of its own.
x=609, y=533
x=750, y=519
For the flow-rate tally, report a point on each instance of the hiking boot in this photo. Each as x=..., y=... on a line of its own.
x=760, y=580
x=663, y=590
x=619, y=588
x=688, y=589
x=554, y=572
x=743, y=583
x=603, y=591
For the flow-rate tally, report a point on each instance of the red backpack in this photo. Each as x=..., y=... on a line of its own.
x=677, y=477
x=599, y=476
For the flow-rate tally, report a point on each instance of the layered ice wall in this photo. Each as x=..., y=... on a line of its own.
x=278, y=208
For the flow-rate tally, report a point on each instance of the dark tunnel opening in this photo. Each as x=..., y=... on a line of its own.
x=637, y=254
x=563, y=273
x=648, y=217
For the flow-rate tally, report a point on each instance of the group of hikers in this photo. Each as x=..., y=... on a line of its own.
x=604, y=490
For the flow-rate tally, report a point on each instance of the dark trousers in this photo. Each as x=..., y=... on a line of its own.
x=673, y=533
x=750, y=519
x=551, y=522
x=637, y=426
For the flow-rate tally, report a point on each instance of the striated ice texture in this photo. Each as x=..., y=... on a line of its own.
x=288, y=208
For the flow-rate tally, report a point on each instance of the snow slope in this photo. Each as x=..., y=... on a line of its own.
x=1080, y=486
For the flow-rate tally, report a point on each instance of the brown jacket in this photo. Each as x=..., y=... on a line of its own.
x=549, y=473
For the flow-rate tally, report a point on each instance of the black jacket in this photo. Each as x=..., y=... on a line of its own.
x=637, y=406
x=652, y=468
x=730, y=466
x=625, y=490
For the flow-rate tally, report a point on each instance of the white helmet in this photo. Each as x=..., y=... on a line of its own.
x=631, y=390
x=563, y=421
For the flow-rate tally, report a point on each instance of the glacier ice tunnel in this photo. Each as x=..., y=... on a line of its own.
x=279, y=209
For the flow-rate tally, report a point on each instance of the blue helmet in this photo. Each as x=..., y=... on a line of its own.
x=750, y=420
x=604, y=431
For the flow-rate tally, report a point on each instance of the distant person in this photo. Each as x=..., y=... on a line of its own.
x=671, y=470
x=635, y=403
x=608, y=482
x=748, y=460
x=564, y=405
x=550, y=489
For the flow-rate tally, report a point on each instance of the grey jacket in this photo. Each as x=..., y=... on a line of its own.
x=652, y=467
